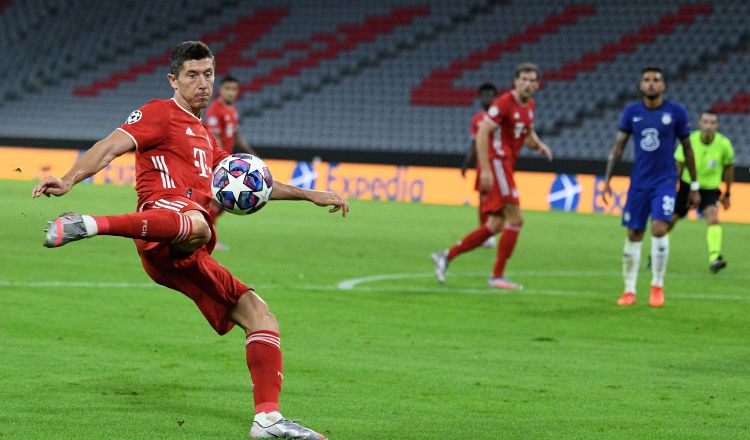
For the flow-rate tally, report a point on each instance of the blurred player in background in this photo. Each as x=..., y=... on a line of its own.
x=655, y=123
x=513, y=115
x=172, y=229
x=486, y=93
x=714, y=157
x=222, y=118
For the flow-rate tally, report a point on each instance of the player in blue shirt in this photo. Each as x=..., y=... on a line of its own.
x=656, y=124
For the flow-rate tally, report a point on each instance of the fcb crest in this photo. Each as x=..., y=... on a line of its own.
x=666, y=118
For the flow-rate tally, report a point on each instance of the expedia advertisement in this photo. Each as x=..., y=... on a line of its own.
x=410, y=184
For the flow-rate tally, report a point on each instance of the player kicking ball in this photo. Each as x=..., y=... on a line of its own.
x=172, y=228
x=512, y=113
x=655, y=123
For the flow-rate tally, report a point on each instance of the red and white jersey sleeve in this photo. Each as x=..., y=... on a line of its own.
x=146, y=126
x=476, y=121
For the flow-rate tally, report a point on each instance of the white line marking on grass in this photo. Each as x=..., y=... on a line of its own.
x=355, y=284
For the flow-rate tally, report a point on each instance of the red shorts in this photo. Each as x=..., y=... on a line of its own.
x=503, y=189
x=198, y=275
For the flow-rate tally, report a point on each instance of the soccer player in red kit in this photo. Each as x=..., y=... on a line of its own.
x=174, y=234
x=223, y=119
x=486, y=93
x=513, y=114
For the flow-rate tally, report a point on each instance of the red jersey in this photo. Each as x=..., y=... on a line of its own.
x=514, y=121
x=224, y=119
x=175, y=152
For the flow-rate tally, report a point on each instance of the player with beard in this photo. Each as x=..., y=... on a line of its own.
x=656, y=124
x=172, y=230
x=512, y=113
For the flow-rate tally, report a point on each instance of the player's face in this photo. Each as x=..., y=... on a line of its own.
x=652, y=85
x=228, y=92
x=709, y=123
x=526, y=84
x=195, y=82
x=486, y=97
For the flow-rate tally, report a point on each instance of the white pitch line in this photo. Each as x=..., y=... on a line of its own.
x=354, y=282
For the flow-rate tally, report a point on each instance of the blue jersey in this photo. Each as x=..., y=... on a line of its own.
x=655, y=134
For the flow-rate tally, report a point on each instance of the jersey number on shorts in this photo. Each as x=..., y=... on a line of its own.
x=668, y=205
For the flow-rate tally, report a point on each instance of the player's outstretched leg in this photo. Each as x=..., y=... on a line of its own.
x=68, y=227
x=440, y=261
x=150, y=225
x=264, y=360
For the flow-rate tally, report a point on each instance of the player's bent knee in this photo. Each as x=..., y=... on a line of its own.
x=201, y=231
x=252, y=314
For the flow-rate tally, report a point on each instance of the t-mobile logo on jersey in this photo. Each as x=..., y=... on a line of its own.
x=200, y=161
x=144, y=228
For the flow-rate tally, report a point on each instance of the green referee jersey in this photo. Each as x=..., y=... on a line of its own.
x=710, y=159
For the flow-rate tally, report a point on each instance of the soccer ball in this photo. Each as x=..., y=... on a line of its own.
x=241, y=184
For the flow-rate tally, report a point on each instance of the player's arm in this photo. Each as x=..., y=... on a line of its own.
x=687, y=148
x=90, y=163
x=614, y=157
x=728, y=179
x=243, y=144
x=282, y=191
x=483, y=154
x=533, y=142
x=470, y=153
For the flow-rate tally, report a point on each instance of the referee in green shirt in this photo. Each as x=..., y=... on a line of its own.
x=714, y=158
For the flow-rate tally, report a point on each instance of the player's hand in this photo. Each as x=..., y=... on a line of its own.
x=330, y=198
x=51, y=186
x=725, y=201
x=606, y=192
x=545, y=150
x=694, y=199
x=485, y=180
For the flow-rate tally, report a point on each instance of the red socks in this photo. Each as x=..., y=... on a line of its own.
x=264, y=361
x=151, y=225
x=505, y=248
x=471, y=241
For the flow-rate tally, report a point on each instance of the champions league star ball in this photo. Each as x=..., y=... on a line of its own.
x=241, y=184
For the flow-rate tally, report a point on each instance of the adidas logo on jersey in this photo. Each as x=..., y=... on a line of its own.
x=189, y=132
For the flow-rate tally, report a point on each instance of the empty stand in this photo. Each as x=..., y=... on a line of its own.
x=388, y=76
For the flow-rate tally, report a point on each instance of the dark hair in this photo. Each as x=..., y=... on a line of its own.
x=187, y=50
x=710, y=112
x=486, y=86
x=652, y=69
x=228, y=79
x=527, y=67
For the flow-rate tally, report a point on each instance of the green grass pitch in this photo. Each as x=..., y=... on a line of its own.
x=91, y=349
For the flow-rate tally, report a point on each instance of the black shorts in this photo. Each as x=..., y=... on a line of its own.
x=709, y=197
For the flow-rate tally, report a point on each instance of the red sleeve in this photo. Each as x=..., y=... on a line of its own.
x=498, y=111
x=475, y=121
x=148, y=126
x=214, y=119
x=218, y=153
